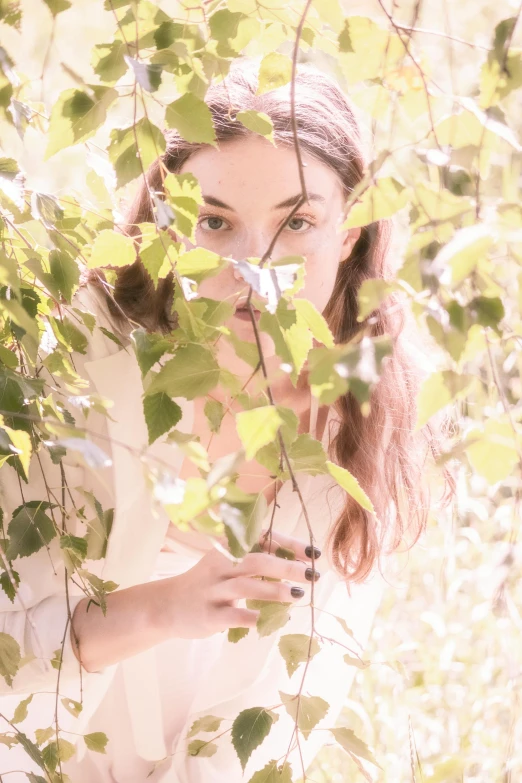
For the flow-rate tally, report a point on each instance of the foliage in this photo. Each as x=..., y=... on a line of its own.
x=446, y=166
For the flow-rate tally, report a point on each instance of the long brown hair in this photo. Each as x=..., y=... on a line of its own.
x=381, y=450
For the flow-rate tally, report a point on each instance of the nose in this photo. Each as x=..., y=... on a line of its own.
x=253, y=244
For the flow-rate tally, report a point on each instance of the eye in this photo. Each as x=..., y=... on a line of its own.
x=215, y=223
x=308, y=223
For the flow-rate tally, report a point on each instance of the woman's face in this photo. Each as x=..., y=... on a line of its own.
x=256, y=185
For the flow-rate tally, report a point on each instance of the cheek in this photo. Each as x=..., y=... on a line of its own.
x=321, y=273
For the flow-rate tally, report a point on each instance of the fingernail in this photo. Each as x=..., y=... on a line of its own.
x=308, y=552
x=310, y=575
x=297, y=592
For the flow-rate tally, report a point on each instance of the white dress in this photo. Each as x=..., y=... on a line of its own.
x=147, y=704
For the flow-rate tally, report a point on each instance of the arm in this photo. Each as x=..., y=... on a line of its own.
x=132, y=624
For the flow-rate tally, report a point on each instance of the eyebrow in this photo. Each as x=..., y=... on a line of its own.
x=289, y=202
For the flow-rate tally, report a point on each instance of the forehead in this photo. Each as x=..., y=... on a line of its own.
x=252, y=168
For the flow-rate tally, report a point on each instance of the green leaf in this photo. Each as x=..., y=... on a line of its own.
x=382, y=199
x=97, y=536
x=21, y=446
x=275, y=71
x=371, y=294
x=273, y=772
x=96, y=741
x=249, y=730
x=107, y=60
x=312, y=709
x=257, y=427
x=358, y=662
x=191, y=117
x=42, y=735
x=307, y=455
x=72, y=706
x=224, y=29
x=77, y=115
x=192, y=372
x=492, y=450
x=458, y=257
x=6, y=583
x=55, y=751
x=207, y=723
x=31, y=749
x=57, y=6
x=487, y=310
x=68, y=334
x=201, y=748
x=161, y=414
x=8, y=357
x=149, y=347
x=199, y=262
x=8, y=168
x=352, y=744
x=21, y=710
x=257, y=122
x=65, y=273
x=184, y=198
x=74, y=548
x=350, y=484
x=29, y=529
x=345, y=40
x=214, y=411
x=295, y=649
x=32, y=778
x=134, y=148
x=273, y=615
x=46, y=208
x=111, y=248
x=236, y=634
x=437, y=391
x=314, y=320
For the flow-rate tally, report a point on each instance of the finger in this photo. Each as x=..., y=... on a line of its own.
x=300, y=548
x=238, y=618
x=261, y=564
x=247, y=587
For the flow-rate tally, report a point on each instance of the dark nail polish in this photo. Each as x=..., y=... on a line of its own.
x=309, y=572
x=297, y=592
x=308, y=552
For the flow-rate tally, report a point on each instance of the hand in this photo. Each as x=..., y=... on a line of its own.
x=203, y=600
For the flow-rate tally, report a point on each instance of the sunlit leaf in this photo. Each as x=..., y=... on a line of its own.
x=111, y=248
x=191, y=117
x=192, y=372
x=257, y=427
x=20, y=713
x=77, y=115
x=275, y=71
x=350, y=484
x=272, y=615
x=258, y=122
x=201, y=748
x=352, y=744
x=96, y=741
x=312, y=709
x=380, y=200
x=207, y=723
x=296, y=648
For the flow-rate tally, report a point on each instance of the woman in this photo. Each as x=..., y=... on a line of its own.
x=161, y=658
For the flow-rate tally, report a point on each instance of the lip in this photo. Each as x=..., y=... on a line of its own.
x=243, y=313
